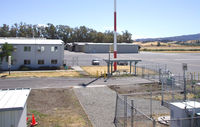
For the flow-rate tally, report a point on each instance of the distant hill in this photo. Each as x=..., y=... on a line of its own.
x=175, y=38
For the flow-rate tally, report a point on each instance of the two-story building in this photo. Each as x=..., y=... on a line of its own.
x=33, y=53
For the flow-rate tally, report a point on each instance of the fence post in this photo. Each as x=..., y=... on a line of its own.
x=159, y=75
x=142, y=72
x=125, y=111
x=151, y=103
x=154, y=123
x=116, y=108
x=132, y=113
x=162, y=101
x=135, y=69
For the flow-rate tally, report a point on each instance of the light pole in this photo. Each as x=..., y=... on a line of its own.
x=115, y=34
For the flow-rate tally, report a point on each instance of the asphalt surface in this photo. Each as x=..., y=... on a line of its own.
x=172, y=60
x=63, y=82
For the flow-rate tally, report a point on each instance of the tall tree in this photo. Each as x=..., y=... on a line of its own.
x=51, y=31
x=4, y=31
x=14, y=30
x=127, y=37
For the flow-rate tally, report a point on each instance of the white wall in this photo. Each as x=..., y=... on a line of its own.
x=34, y=56
x=13, y=118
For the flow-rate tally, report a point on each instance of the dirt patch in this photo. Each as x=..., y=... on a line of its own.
x=57, y=108
x=137, y=88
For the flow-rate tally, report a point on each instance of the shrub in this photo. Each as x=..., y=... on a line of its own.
x=48, y=68
x=24, y=68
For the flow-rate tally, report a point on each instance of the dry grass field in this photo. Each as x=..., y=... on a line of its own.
x=167, y=47
x=56, y=108
x=41, y=74
x=98, y=70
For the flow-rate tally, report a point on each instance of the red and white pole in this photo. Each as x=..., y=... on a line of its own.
x=115, y=34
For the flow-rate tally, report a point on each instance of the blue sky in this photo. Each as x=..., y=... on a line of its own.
x=143, y=18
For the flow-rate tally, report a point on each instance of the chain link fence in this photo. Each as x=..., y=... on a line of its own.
x=127, y=115
x=144, y=109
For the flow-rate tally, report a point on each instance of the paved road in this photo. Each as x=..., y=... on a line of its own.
x=61, y=82
x=172, y=60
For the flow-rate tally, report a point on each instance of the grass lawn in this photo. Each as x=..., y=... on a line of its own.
x=56, y=108
x=42, y=74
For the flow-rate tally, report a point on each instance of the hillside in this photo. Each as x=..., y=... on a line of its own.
x=175, y=38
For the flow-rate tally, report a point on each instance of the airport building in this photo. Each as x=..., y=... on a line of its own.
x=33, y=53
x=89, y=47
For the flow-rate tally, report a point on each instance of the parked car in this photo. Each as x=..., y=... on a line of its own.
x=122, y=63
x=95, y=62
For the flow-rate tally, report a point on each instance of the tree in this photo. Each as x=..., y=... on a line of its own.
x=51, y=31
x=14, y=30
x=7, y=50
x=63, y=32
x=127, y=37
x=158, y=44
x=4, y=31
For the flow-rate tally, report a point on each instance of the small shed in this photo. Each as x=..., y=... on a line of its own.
x=13, y=109
x=185, y=114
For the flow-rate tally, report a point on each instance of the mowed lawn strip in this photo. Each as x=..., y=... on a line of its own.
x=41, y=74
x=56, y=108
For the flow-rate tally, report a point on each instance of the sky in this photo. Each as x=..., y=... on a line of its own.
x=142, y=18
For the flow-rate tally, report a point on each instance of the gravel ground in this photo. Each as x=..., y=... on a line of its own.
x=99, y=105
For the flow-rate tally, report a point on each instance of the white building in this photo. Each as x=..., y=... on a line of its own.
x=13, y=109
x=33, y=53
x=182, y=113
x=89, y=47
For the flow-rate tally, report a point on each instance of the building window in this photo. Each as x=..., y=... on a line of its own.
x=54, y=61
x=13, y=62
x=40, y=62
x=27, y=48
x=41, y=49
x=27, y=62
x=14, y=48
x=54, y=49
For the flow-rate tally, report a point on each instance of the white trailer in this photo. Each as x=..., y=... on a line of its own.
x=185, y=114
x=13, y=109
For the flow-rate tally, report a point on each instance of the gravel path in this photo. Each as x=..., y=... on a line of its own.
x=99, y=104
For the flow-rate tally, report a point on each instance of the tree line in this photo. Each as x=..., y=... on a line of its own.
x=63, y=32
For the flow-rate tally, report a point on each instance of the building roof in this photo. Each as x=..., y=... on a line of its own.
x=12, y=99
x=91, y=43
x=122, y=60
x=187, y=104
x=42, y=41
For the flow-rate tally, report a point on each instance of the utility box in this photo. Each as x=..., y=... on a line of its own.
x=182, y=113
x=13, y=109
